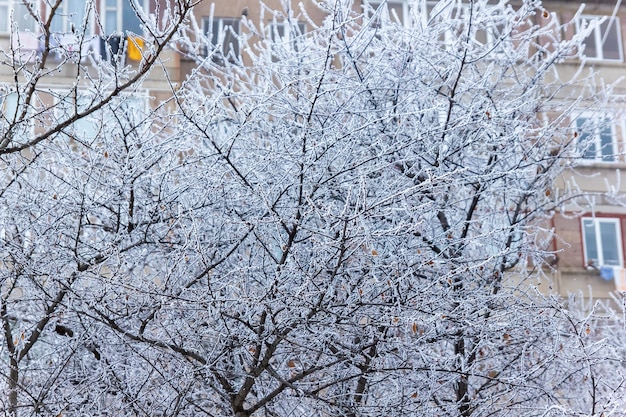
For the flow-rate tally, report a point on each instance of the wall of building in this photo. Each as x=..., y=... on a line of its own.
x=599, y=182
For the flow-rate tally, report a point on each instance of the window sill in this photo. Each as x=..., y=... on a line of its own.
x=593, y=163
x=591, y=62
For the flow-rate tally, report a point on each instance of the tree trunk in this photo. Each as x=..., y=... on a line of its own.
x=13, y=381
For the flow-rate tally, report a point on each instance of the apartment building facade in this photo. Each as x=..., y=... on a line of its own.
x=590, y=229
x=53, y=45
x=590, y=247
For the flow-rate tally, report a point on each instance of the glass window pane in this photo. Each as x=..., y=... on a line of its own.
x=481, y=36
x=395, y=13
x=606, y=142
x=610, y=39
x=21, y=131
x=231, y=43
x=85, y=128
x=57, y=23
x=591, y=49
x=4, y=22
x=610, y=251
x=110, y=21
x=10, y=106
x=128, y=116
x=22, y=17
x=71, y=13
x=280, y=31
x=587, y=146
x=77, y=11
x=375, y=19
x=130, y=21
x=591, y=247
x=215, y=32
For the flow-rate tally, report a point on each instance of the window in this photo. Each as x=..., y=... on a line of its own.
x=121, y=21
x=123, y=117
x=605, y=40
x=69, y=17
x=4, y=11
x=283, y=33
x=121, y=17
x=488, y=24
x=490, y=33
x=68, y=27
x=20, y=16
x=602, y=242
x=389, y=11
x=595, y=138
x=129, y=113
x=10, y=116
x=448, y=18
x=223, y=33
x=84, y=129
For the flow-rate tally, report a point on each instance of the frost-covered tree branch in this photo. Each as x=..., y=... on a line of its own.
x=344, y=217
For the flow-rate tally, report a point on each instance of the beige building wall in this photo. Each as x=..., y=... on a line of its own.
x=602, y=191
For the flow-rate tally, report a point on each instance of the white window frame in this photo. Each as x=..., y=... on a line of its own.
x=284, y=26
x=118, y=9
x=385, y=12
x=599, y=242
x=423, y=14
x=597, y=36
x=14, y=10
x=281, y=32
x=223, y=24
x=490, y=35
x=596, y=131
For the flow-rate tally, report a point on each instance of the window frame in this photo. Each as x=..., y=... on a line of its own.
x=77, y=131
x=6, y=26
x=216, y=38
x=374, y=19
x=5, y=23
x=280, y=31
x=488, y=37
x=88, y=128
x=596, y=33
x=599, y=243
x=65, y=15
x=596, y=131
x=284, y=25
x=8, y=116
x=118, y=9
